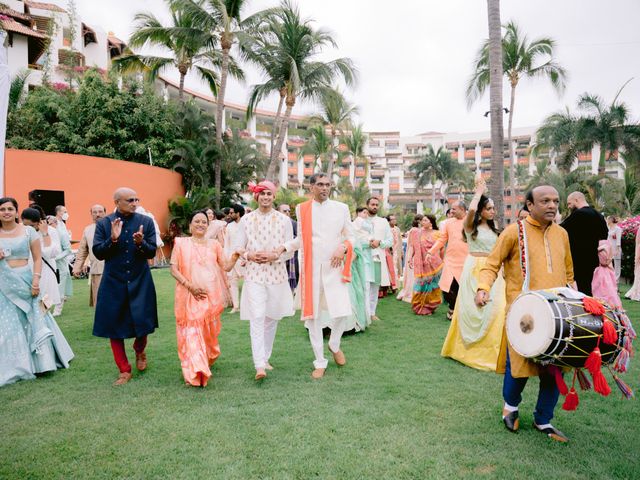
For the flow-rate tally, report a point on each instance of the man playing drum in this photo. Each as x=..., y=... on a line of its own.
x=549, y=256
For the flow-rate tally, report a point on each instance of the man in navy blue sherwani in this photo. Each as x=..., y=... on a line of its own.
x=126, y=306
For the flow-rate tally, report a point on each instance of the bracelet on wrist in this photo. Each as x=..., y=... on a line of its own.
x=37, y=274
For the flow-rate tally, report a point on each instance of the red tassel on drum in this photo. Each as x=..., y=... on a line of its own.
x=600, y=384
x=609, y=334
x=594, y=362
x=572, y=401
x=557, y=374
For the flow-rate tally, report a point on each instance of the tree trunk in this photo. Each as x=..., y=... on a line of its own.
x=276, y=125
x=224, y=73
x=332, y=158
x=602, y=168
x=273, y=170
x=181, y=87
x=512, y=166
x=496, y=183
x=433, y=194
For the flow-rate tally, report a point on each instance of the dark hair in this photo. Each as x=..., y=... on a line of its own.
x=39, y=209
x=360, y=209
x=314, y=178
x=31, y=214
x=10, y=200
x=434, y=222
x=219, y=215
x=388, y=217
x=196, y=212
x=226, y=210
x=477, y=218
x=416, y=220
x=238, y=209
x=372, y=198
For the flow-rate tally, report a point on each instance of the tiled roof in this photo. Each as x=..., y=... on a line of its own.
x=44, y=6
x=114, y=39
x=5, y=10
x=11, y=25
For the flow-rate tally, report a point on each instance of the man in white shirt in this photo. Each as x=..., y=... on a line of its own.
x=266, y=295
x=325, y=243
x=380, y=240
x=236, y=212
x=615, y=240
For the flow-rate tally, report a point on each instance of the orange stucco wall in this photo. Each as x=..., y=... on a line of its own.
x=88, y=180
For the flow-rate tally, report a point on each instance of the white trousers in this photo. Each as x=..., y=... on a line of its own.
x=617, y=263
x=374, y=288
x=263, y=333
x=315, y=333
x=234, y=289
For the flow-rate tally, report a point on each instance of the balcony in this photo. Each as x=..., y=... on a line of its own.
x=344, y=173
x=293, y=156
x=469, y=154
x=292, y=170
x=308, y=171
x=360, y=172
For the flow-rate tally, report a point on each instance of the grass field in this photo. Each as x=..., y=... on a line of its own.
x=396, y=410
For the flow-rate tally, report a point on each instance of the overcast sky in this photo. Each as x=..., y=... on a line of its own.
x=415, y=56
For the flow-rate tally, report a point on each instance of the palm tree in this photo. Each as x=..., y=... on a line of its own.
x=437, y=165
x=355, y=143
x=608, y=126
x=17, y=91
x=291, y=45
x=190, y=48
x=320, y=146
x=335, y=113
x=520, y=58
x=496, y=184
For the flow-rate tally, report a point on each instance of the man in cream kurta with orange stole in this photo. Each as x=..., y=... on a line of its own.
x=455, y=254
x=549, y=266
x=266, y=295
x=325, y=243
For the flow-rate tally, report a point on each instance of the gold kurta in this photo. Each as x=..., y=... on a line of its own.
x=550, y=266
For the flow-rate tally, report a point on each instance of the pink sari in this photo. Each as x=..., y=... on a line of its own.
x=604, y=285
x=198, y=321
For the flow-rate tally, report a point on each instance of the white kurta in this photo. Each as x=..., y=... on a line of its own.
x=259, y=232
x=331, y=226
x=382, y=232
x=48, y=282
x=229, y=240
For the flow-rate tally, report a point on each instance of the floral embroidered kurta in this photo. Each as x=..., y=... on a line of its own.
x=550, y=266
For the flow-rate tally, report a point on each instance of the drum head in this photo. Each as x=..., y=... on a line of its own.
x=530, y=325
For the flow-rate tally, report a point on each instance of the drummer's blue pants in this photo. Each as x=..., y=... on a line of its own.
x=547, y=395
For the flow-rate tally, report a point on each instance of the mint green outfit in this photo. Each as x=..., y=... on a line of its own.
x=473, y=321
x=30, y=341
x=357, y=290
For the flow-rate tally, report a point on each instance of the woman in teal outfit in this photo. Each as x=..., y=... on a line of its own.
x=30, y=340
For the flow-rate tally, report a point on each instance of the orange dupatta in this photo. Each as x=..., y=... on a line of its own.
x=306, y=279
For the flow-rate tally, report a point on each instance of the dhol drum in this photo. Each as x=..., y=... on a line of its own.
x=552, y=327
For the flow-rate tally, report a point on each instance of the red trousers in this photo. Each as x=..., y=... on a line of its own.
x=120, y=355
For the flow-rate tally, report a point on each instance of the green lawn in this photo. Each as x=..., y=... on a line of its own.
x=396, y=410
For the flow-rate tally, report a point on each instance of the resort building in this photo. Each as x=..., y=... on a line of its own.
x=44, y=40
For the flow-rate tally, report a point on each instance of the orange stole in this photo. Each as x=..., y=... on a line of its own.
x=306, y=279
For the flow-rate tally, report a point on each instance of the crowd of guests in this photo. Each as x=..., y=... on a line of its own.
x=334, y=268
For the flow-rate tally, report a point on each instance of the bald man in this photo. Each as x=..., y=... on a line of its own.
x=586, y=227
x=126, y=304
x=85, y=261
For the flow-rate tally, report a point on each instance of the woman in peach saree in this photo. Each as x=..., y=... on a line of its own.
x=198, y=265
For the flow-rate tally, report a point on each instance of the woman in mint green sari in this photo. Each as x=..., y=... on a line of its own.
x=30, y=340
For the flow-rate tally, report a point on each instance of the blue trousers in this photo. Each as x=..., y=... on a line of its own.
x=547, y=395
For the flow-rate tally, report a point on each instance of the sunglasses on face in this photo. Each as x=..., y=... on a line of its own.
x=130, y=200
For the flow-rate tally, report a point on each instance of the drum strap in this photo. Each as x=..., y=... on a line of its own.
x=523, y=247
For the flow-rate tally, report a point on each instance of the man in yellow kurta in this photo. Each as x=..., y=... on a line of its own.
x=550, y=266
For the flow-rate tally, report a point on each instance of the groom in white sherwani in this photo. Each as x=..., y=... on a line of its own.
x=325, y=243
